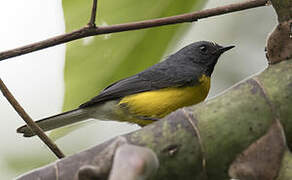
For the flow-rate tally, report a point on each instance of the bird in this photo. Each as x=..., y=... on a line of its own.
x=182, y=79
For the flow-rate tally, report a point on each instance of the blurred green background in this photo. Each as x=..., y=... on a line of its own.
x=94, y=62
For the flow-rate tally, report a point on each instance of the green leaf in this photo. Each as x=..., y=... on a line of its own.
x=95, y=62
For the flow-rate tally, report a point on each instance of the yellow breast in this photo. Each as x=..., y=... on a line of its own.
x=159, y=103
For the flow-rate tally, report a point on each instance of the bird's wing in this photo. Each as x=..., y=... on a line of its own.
x=156, y=77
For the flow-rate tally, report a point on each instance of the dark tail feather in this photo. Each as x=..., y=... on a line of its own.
x=56, y=121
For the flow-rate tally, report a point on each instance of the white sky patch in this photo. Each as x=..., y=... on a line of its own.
x=86, y=41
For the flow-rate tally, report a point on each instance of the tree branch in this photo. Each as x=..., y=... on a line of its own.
x=93, y=15
x=90, y=31
x=286, y=169
x=279, y=43
x=263, y=158
x=140, y=163
x=31, y=124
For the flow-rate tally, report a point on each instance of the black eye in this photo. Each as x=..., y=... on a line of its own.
x=203, y=48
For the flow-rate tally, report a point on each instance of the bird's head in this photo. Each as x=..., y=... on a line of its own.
x=203, y=53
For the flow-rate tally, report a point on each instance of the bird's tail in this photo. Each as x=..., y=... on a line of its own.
x=56, y=121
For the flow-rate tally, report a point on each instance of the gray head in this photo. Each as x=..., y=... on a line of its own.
x=202, y=53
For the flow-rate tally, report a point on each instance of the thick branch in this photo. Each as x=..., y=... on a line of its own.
x=31, y=124
x=279, y=44
x=140, y=163
x=286, y=170
x=91, y=31
x=283, y=9
x=263, y=158
x=202, y=141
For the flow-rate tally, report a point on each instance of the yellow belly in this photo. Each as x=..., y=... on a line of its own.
x=159, y=103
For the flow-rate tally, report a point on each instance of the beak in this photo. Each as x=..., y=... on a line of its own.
x=223, y=49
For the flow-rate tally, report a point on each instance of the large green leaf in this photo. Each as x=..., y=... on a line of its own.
x=93, y=63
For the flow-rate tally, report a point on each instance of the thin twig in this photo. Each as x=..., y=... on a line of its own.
x=31, y=124
x=93, y=15
x=89, y=31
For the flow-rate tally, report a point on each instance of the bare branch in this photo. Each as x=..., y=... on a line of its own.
x=31, y=124
x=93, y=15
x=89, y=31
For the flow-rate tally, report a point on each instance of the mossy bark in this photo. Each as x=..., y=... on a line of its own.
x=286, y=169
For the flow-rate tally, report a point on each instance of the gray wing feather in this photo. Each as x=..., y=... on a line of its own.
x=159, y=76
